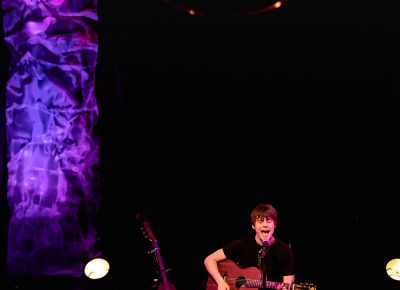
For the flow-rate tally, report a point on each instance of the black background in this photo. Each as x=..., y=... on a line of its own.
x=202, y=118
x=205, y=117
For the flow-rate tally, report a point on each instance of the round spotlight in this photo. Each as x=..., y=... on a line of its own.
x=393, y=269
x=96, y=268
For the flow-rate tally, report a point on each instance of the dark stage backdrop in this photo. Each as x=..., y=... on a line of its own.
x=202, y=118
x=205, y=117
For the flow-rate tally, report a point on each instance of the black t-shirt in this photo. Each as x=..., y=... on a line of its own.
x=278, y=262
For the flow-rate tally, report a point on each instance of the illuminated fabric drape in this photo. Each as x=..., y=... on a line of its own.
x=52, y=146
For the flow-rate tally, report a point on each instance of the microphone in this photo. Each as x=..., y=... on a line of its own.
x=264, y=247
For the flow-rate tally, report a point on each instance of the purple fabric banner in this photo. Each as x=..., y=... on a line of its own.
x=52, y=146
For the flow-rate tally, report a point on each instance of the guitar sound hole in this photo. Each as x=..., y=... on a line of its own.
x=240, y=281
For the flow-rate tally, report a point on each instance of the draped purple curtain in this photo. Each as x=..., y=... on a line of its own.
x=52, y=143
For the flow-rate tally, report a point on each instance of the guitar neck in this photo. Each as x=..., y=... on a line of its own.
x=161, y=266
x=268, y=284
x=158, y=256
x=279, y=285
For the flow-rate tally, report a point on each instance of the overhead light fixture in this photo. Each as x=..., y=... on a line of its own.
x=225, y=8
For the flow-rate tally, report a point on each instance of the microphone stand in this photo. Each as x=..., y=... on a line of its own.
x=263, y=268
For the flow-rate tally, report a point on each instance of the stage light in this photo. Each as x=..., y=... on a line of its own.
x=225, y=8
x=393, y=269
x=96, y=268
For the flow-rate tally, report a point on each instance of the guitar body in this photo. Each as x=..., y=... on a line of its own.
x=234, y=276
x=249, y=278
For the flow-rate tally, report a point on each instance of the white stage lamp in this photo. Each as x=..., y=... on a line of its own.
x=96, y=268
x=393, y=269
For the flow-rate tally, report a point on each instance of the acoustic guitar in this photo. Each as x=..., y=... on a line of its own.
x=249, y=278
x=149, y=234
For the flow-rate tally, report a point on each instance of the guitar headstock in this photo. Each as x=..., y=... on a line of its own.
x=303, y=286
x=146, y=230
x=148, y=233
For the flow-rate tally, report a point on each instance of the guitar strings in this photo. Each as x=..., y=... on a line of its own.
x=254, y=282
